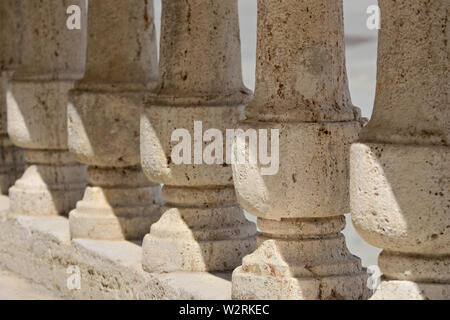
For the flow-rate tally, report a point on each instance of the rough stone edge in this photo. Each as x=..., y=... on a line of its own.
x=39, y=249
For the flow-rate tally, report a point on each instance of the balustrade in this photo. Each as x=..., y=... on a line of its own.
x=90, y=105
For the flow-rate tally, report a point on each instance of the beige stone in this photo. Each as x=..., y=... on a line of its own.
x=52, y=59
x=400, y=167
x=11, y=157
x=202, y=227
x=410, y=290
x=40, y=249
x=313, y=176
x=103, y=122
x=301, y=90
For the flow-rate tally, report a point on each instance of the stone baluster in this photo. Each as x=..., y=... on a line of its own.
x=200, y=80
x=400, y=168
x=11, y=158
x=301, y=90
x=52, y=60
x=103, y=120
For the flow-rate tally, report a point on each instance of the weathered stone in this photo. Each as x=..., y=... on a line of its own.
x=40, y=249
x=202, y=228
x=103, y=121
x=400, y=167
x=301, y=90
x=52, y=59
x=11, y=157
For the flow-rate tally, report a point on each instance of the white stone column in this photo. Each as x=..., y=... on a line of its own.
x=52, y=59
x=400, y=168
x=11, y=157
x=301, y=90
x=103, y=120
x=202, y=227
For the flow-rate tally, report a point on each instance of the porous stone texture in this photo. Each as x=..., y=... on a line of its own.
x=302, y=91
x=400, y=167
x=103, y=122
x=52, y=59
x=11, y=157
x=14, y=287
x=200, y=79
x=40, y=249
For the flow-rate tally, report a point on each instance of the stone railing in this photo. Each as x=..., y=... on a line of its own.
x=93, y=114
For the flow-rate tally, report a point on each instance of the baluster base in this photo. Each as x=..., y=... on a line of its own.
x=118, y=204
x=301, y=259
x=201, y=230
x=51, y=185
x=11, y=164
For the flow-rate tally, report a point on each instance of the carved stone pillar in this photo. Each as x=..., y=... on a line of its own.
x=52, y=59
x=202, y=227
x=119, y=202
x=400, y=168
x=301, y=90
x=11, y=158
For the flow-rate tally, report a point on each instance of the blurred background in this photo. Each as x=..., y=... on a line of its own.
x=361, y=52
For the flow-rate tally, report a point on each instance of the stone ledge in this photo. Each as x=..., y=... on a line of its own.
x=39, y=249
x=13, y=287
